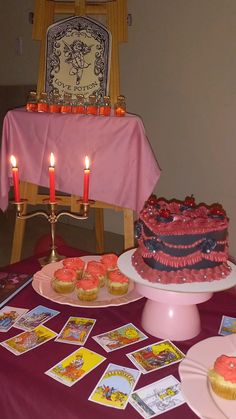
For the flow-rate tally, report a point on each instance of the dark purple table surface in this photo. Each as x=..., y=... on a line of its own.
x=27, y=393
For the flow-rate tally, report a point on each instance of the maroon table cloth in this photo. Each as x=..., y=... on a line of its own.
x=26, y=392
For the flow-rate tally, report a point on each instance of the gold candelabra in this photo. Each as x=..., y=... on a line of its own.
x=52, y=217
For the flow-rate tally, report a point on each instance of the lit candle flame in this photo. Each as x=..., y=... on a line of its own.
x=86, y=162
x=52, y=160
x=13, y=161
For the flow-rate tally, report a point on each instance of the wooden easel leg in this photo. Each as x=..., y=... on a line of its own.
x=28, y=191
x=99, y=230
x=128, y=228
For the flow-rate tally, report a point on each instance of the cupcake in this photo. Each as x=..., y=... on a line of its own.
x=87, y=289
x=64, y=280
x=222, y=377
x=97, y=269
x=117, y=283
x=75, y=263
x=109, y=260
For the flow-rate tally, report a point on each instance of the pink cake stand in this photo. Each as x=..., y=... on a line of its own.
x=171, y=311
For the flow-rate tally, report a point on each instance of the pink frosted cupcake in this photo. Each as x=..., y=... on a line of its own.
x=222, y=377
x=75, y=263
x=87, y=289
x=118, y=283
x=98, y=269
x=64, y=280
x=109, y=260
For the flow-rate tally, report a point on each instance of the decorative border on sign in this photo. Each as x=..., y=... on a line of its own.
x=78, y=51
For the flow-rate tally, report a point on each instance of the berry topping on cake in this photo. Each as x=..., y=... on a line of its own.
x=152, y=201
x=188, y=204
x=217, y=211
x=164, y=216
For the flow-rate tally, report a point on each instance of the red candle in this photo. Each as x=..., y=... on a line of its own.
x=52, y=197
x=15, y=175
x=86, y=180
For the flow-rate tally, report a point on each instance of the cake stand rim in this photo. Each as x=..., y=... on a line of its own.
x=125, y=265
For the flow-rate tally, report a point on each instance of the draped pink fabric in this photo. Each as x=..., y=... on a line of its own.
x=124, y=170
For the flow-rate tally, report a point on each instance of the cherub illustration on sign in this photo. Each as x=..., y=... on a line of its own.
x=75, y=55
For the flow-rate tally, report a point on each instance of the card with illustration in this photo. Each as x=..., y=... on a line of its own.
x=12, y=283
x=76, y=330
x=120, y=337
x=227, y=326
x=156, y=356
x=35, y=317
x=157, y=398
x=9, y=315
x=115, y=386
x=28, y=340
x=75, y=366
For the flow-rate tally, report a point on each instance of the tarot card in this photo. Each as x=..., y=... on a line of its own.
x=75, y=366
x=28, y=340
x=9, y=315
x=156, y=356
x=76, y=330
x=227, y=326
x=158, y=397
x=33, y=318
x=120, y=337
x=115, y=386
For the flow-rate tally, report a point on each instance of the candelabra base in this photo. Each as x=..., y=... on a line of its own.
x=52, y=257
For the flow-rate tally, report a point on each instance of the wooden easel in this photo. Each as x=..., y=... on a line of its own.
x=115, y=13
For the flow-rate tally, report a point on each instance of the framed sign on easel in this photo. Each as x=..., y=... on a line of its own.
x=79, y=52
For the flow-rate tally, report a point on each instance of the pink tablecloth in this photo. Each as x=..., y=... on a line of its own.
x=124, y=170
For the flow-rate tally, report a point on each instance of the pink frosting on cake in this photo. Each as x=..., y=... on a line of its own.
x=179, y=277
x=73, y=263
x=226, y=366
x=117, y=276
x=65, y=274
x=179, y=241
x=185, y=221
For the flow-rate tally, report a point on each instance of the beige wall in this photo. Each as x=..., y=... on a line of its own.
x=14, y=23
x=178, y=72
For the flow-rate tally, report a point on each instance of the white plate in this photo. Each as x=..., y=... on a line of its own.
x=194, y=384
x=125, y=265
x=42, y=285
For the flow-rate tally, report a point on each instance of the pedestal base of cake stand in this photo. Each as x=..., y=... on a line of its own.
x=171, y=315
x=171, y=310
